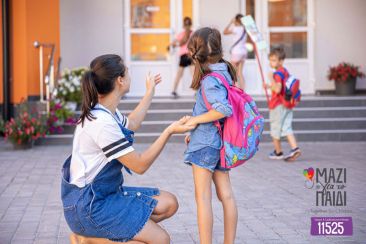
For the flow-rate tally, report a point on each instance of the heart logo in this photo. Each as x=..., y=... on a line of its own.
x=309, y=173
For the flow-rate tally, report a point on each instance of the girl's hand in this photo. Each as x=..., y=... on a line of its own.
x=191, y=122
x=187, y=139
x=180, y=126
x=151, y=82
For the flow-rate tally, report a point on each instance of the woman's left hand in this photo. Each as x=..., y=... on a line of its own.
x=151, y=82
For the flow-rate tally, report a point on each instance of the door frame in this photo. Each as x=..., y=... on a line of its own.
x=176, y=21
x=261, y=17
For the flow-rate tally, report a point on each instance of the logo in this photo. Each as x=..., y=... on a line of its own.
x=330, y=185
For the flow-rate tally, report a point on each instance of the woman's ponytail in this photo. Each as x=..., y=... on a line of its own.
x=90, y=96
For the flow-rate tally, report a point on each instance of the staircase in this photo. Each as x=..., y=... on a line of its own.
x=317, y=118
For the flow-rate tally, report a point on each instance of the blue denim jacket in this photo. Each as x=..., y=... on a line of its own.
x=207, y=134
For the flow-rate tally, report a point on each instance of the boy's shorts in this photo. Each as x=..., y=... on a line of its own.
x=280, y=119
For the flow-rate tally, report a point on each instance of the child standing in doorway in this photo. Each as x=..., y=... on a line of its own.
x=185, y=61
x=280, y=116
x=204, y=142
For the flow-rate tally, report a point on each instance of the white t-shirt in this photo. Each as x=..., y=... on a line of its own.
x=95, y=144
x=240, y=47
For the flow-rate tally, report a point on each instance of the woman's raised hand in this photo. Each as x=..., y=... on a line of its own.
x=152, y=81
x=179, y=127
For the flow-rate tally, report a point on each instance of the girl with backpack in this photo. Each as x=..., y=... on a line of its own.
x=238, y=49
x=204, y=142
x=185, y=61
x=97, y=205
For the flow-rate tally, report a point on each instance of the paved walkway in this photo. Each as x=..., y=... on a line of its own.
x=274, y=206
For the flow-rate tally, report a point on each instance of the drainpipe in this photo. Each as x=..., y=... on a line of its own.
x=6, y=61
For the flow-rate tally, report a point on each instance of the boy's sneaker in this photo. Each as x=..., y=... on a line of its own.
x=275, y=155
x=293, y=154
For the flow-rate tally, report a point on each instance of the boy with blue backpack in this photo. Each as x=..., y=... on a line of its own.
x=285, y=96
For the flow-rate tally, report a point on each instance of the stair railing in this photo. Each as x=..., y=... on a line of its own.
x=46, y=79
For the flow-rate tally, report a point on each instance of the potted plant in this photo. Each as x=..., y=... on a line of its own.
x=24, y=129
x=59, y=116
x=68, y=88
x=2, y=127
x=345, y=76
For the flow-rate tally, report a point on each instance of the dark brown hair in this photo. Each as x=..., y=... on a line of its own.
x=204, y=48
x=279, y=52
x=187, y=22
x=99, y=80
x=238, y=18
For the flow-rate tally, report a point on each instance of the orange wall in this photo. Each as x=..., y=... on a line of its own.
x=36, y=20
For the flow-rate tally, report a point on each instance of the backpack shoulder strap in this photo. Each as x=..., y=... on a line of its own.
x=240, y=38
x=280, y=74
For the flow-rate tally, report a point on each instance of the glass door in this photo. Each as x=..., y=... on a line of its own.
x=150, y=25
x=289, y=24
x=148, y=32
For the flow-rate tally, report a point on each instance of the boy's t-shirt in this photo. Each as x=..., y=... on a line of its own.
x=277, y=98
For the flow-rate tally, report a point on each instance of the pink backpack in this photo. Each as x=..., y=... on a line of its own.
x=242, y=130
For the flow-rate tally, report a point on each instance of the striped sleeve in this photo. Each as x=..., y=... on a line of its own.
x=113, y=142
x=123, y=118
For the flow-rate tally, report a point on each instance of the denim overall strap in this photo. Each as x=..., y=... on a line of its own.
x=126, y=132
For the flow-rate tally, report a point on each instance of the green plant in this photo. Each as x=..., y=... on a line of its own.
x=2, y=127
x=344, y=72
x=58, y=116
x=25, y=127
x=68, y=88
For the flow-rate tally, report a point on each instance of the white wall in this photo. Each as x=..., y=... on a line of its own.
x=90, y=28
x=217, y=14
x=340, y=35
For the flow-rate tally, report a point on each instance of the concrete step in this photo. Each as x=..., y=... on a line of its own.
x=307, y=101
x=307, y=135
x=307, y=112
x=317, y=118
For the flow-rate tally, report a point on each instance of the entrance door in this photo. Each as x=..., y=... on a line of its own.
x=150, y=25
x=288, y=23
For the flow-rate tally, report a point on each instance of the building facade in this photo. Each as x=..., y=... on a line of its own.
x=315, y=33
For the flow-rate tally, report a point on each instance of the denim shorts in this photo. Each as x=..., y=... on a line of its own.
x=280, y=119
x=207, y=157
x=106, y=208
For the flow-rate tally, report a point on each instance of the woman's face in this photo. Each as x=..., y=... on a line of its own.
x=124, y=83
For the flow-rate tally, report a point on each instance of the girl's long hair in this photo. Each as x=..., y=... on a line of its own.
x=99, y=80
x=205, y=48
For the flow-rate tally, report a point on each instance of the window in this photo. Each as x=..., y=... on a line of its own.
x=294, y=43
x=149, y=47
x=287, y=13
x=150, y=13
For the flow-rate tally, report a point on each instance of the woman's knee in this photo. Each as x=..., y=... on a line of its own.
x=171, y=204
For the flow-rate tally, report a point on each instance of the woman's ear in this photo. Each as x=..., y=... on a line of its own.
x=120, y=80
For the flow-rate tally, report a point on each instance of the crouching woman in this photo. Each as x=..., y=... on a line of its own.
x=98, y=207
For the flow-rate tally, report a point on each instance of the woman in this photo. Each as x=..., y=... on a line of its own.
x=181, y=40
x=238, y=50
x=95, y=200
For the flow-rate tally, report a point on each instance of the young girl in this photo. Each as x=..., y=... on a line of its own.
x=238, y=50
x=95, y=200
x=184, y=60
x=204, y=142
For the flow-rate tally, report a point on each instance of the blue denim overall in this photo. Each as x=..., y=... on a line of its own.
x=105, y=208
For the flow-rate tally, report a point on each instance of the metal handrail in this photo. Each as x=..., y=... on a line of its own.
x=49, y=78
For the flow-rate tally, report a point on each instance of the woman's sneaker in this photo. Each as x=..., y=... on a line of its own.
x=293, y=154
x=275, y=155
x=175, y=95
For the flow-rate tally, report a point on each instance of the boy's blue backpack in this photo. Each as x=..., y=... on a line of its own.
x=292, y=92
